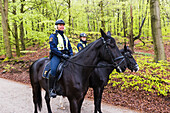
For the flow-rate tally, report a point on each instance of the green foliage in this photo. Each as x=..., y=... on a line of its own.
x=8, y=67
x=152, y=77
x=40, y=15
x=145, y=54
x=6, y=59
x=27, y=51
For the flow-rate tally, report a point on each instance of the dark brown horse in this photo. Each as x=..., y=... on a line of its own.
x=76, y=73
x=100, y=77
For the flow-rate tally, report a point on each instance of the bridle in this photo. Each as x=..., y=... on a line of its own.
x=117, y=65
x=127, y=58
x=114, y=64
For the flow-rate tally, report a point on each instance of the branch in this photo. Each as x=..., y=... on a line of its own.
x=11, y=31
x=140, y=29
x=36, y=5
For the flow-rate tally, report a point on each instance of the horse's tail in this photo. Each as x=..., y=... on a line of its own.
x=36, y=88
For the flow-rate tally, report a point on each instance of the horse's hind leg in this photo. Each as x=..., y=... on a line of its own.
x=47, y=99
x=35, y=103
x=97, y=98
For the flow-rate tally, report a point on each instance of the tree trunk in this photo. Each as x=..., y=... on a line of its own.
x=124, y=20
x=4, y=13
x=22, y=28
x=89, y=27
x=69, y=19
x=156, y=31
x=114, y=26
x=88, y=18
x=94, y=25
x=118, y=22
x=16, y=32
x=148, y=28
x=102, y=15
x=131, y=42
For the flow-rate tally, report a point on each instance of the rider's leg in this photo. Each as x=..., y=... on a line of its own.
x=54, y=64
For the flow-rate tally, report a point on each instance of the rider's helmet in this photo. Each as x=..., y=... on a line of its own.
x=59, y=21
x=83, y=35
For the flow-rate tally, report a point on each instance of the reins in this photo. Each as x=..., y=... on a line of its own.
x=103, y=65
x=92, y=66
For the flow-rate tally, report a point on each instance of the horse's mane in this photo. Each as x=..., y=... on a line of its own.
x=85, y=49
x=123, y=50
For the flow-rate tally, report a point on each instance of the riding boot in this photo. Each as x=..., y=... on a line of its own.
x=51, y=86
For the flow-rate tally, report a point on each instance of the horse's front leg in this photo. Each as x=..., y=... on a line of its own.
x=81, y=101
x=47, y=99
x=97, y=98
x=74, y=105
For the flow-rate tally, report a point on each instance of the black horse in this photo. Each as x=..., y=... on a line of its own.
x=100, y=76
x=75, y=79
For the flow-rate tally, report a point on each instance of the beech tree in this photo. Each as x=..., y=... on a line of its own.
x=22, y=26
x=156, y=31
x=15, y=34
x=4, y=14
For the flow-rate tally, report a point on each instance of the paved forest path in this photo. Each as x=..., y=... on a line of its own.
x=17, y=98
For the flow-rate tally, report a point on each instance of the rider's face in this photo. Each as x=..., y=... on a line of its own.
x=60, y=27
x=83, y=38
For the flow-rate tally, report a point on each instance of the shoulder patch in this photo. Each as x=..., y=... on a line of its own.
x=80, y=48
x=51, y=39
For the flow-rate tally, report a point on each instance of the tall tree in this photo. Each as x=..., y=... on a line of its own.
x=118, y=19
x=88, y=18
x=124, y=19
x=22, y=26
x=4, y=13
x=131, y=41
x=156, y=31
x=69, y=19
x=15, y=34
x=102, y=14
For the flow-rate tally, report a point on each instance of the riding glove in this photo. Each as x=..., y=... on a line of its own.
x=65, y=56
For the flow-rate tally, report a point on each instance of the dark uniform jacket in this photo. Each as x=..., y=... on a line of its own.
x=81, y=45
x=54, y=42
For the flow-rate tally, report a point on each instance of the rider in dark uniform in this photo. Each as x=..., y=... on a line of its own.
x=83, y=43
x=60, y=48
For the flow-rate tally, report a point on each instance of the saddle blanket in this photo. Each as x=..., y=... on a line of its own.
x=47, y=70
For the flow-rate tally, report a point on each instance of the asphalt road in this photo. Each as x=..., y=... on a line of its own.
x=17, y=98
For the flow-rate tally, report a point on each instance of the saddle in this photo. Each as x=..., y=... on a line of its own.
x=47, y=70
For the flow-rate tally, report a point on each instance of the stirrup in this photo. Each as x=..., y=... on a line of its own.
x=52, y=94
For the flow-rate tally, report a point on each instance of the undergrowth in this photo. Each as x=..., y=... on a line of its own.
x=151, y=77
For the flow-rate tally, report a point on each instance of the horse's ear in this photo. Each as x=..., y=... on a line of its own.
x=103, y=34
x=125, y=47
x=108, y=33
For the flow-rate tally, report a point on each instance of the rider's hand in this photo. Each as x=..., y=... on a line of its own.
x=65, y=56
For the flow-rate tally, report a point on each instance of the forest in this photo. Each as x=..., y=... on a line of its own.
x=32, y=21
x=143, y=24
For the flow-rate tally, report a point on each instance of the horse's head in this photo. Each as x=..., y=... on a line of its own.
x=130, y=61
x=111, y=53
